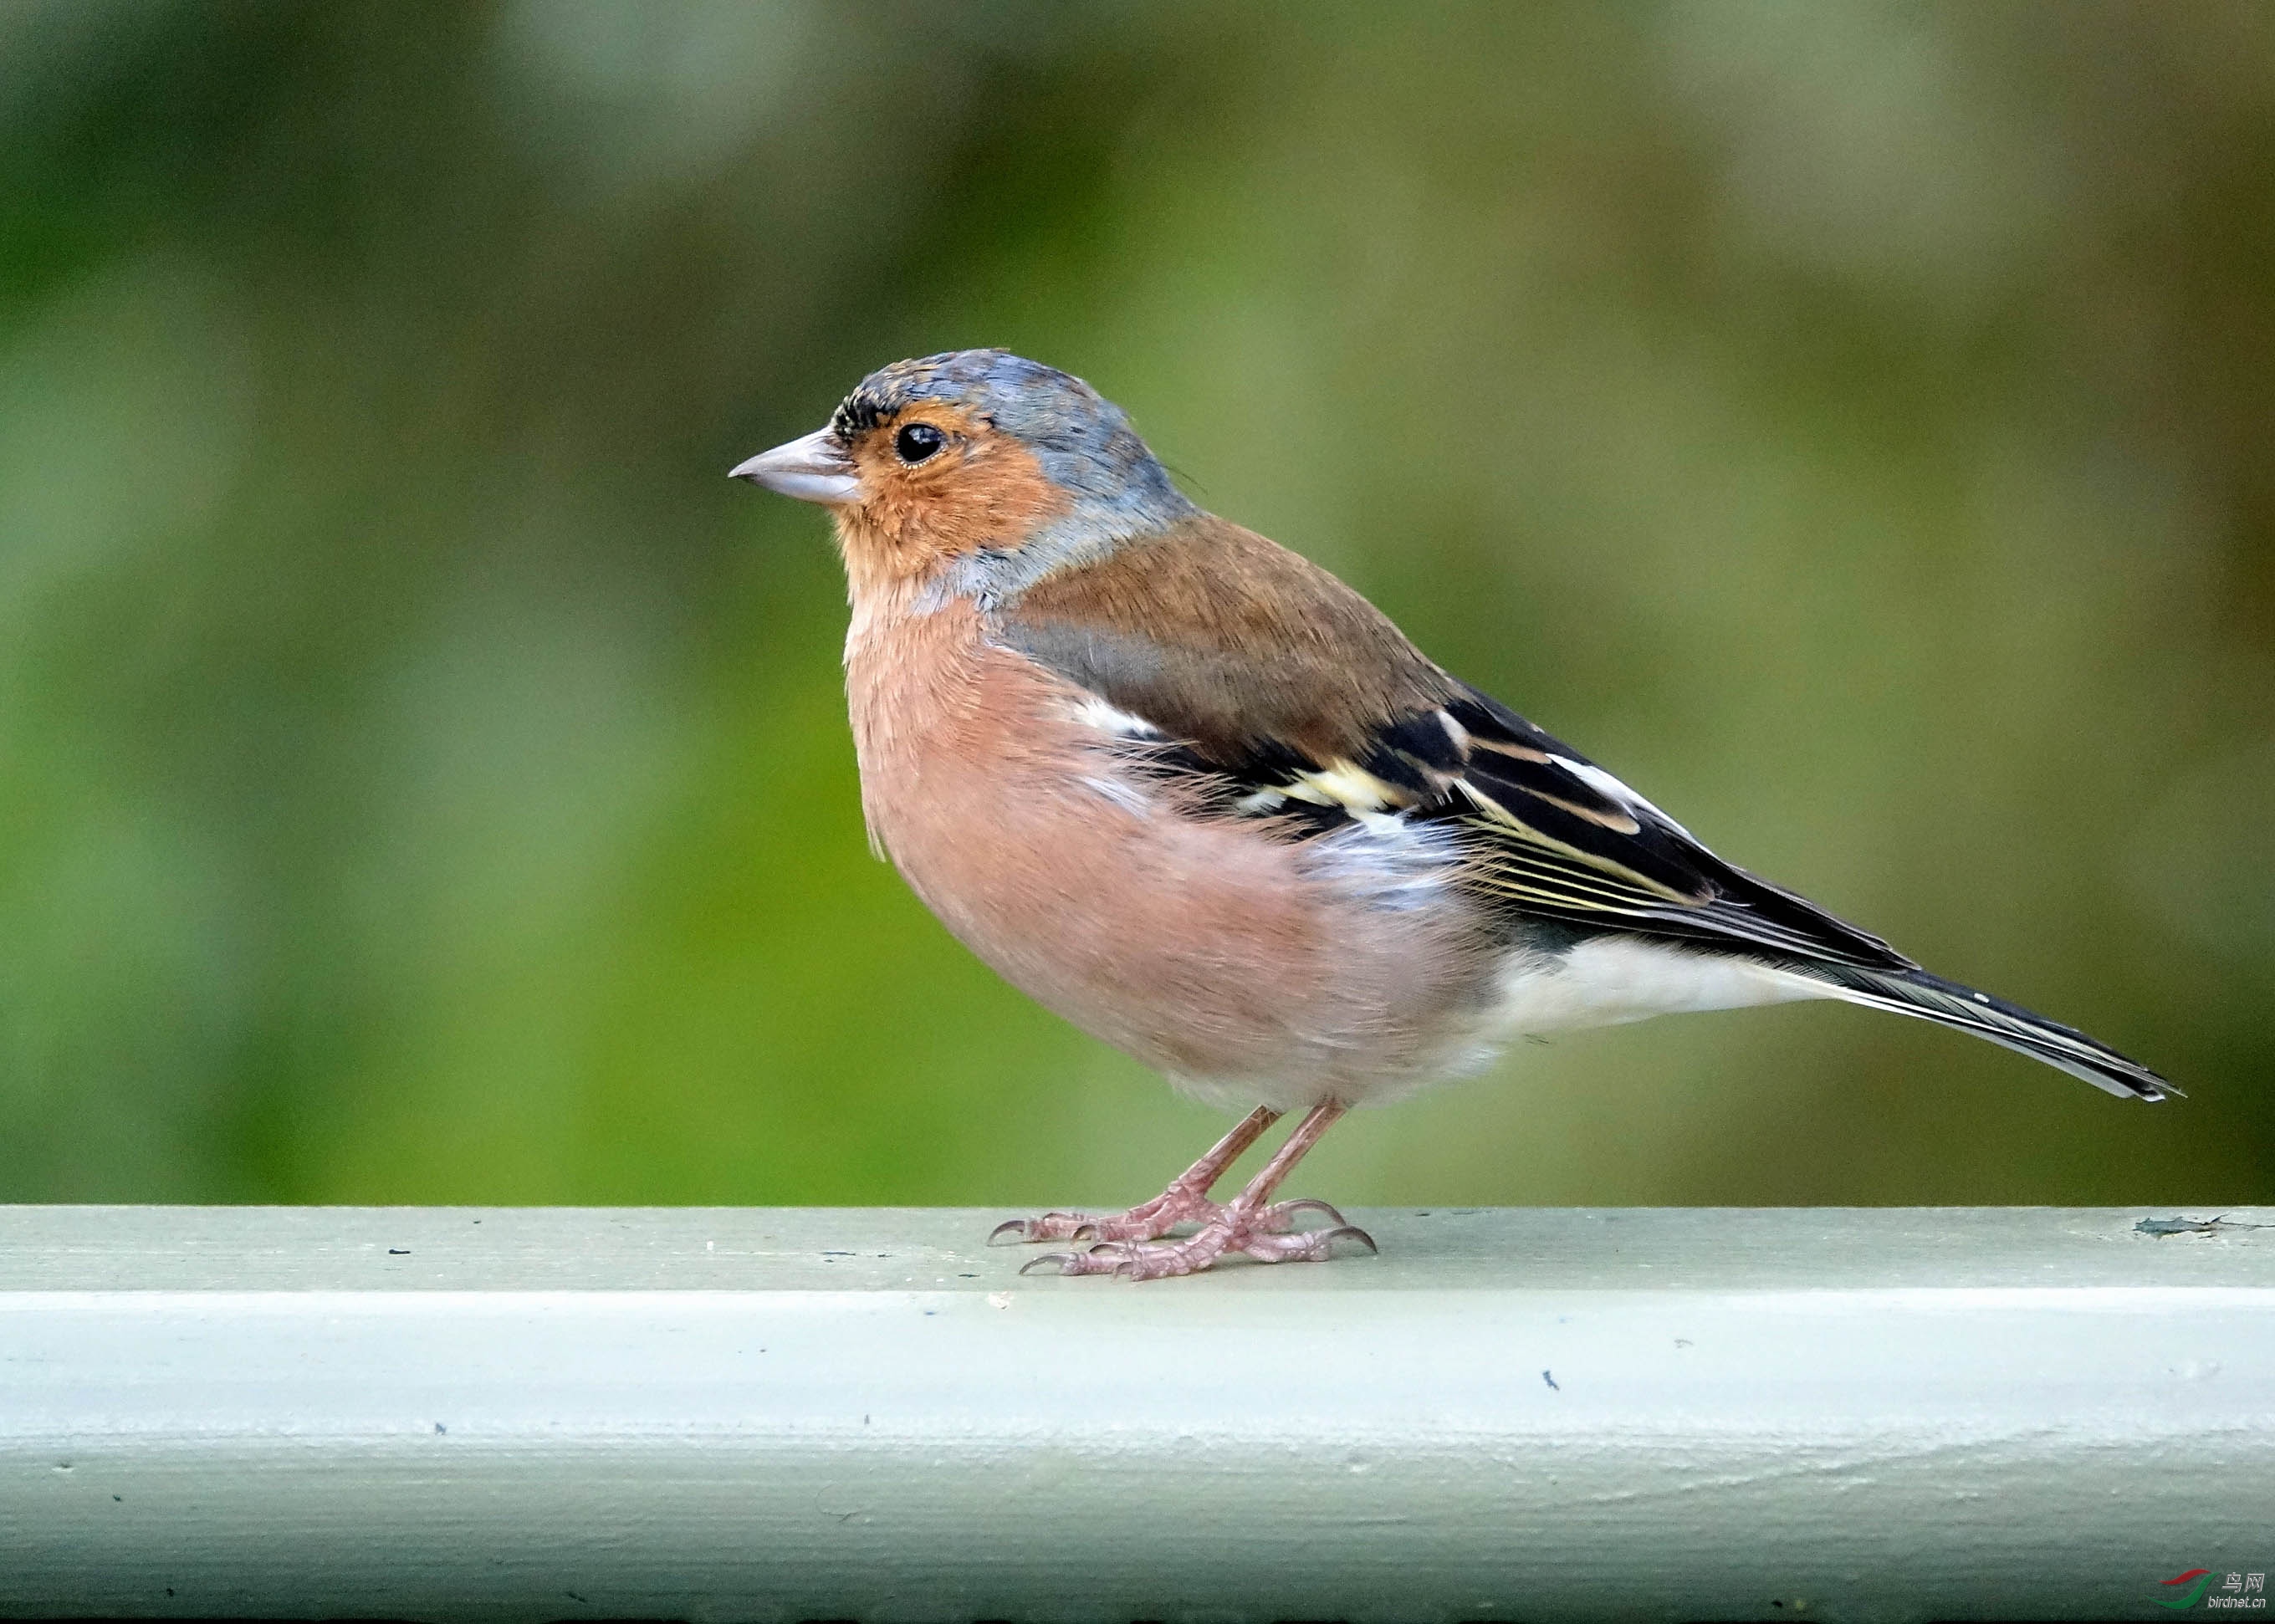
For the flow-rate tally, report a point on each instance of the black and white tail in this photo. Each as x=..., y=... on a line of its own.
x=1930, y=998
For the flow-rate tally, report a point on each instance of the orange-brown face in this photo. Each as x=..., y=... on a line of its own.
x=935, y=482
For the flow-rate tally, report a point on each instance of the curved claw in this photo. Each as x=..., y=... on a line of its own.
x=1350, y=1232
x=1289, y=1209
x=1015, y=1227
x=1059, y=1261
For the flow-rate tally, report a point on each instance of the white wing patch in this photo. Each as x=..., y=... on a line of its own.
x=1095, y=712
x=1352, y=788
x=1604, y=784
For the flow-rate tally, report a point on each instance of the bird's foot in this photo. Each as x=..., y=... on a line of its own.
x=1267, y=1234
x=1149, y=1221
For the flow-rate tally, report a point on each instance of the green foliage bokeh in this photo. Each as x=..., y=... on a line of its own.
x=424, y=778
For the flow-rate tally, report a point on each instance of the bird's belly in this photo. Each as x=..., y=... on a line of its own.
x=1612, y=980
x=1252, y=969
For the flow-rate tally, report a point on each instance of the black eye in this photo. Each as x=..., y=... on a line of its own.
x=917, y=441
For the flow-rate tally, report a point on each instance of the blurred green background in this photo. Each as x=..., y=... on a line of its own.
x=424, y=777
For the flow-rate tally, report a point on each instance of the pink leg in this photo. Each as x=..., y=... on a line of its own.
x=1185, y=1201
x=1251, y=1222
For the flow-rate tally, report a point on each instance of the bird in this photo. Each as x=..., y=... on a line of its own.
x=1185, y=787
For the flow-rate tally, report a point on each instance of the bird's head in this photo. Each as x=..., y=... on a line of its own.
x=975, y=455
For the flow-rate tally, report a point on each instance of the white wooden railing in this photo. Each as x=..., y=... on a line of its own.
x=839, y=1414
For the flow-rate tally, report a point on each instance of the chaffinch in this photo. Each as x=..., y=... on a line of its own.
x=1191, y=791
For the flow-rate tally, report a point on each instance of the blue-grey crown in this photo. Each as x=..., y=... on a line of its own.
x=1083, y=440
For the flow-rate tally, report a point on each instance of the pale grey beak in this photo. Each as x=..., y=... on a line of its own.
x=813, y=469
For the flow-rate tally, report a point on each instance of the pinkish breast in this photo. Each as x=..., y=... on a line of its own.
x=1252, y=968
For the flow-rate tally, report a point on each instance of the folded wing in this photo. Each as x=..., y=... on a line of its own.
x=1270, y=690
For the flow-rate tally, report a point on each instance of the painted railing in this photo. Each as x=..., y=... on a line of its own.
x=495, y=1413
